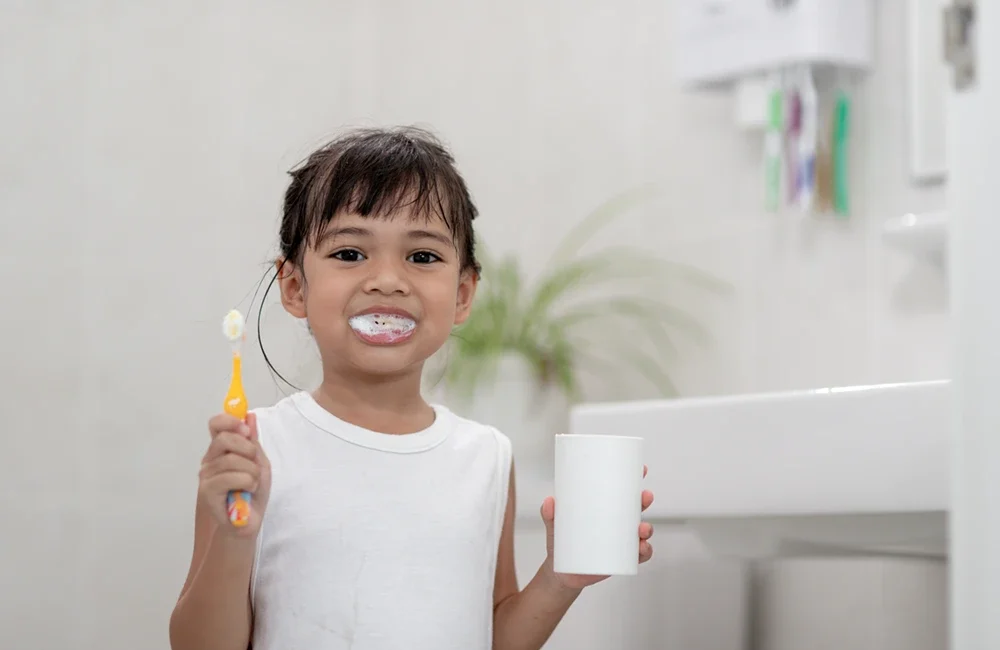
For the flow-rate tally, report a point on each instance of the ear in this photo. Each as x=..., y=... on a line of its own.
x=292, y=287
x=467, y=284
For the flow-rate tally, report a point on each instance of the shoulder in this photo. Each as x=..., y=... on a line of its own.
x=466, y=429
x=280, y=416
x=493, y=442
x=279, y=424
x=487, y=438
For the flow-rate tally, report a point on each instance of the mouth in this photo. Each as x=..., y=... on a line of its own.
x=383, y=327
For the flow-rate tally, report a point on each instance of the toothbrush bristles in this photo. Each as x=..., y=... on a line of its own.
x=233, y=326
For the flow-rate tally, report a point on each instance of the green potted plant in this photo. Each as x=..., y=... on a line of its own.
x=527, y=346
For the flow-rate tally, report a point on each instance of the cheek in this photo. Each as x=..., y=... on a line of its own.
x=441, y=299
x=327, y=294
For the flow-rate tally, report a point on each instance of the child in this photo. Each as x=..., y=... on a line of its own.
x=379, y=522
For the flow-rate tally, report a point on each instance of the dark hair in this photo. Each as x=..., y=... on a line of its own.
x=375, y=173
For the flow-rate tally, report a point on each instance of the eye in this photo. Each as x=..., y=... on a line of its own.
x=348, y=255
x=424, y=257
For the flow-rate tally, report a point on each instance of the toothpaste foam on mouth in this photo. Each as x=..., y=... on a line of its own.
x=381, y=325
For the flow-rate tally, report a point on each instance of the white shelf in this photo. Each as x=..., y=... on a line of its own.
x=854, y=468
x=923, y=235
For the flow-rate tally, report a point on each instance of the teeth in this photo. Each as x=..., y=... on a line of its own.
x=373, y=324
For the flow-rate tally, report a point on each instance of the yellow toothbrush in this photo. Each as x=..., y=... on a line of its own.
x=233, y=326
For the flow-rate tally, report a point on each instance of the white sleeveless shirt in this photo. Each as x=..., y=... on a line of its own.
x=374, y=541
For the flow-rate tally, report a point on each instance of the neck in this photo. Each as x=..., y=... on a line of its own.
x=390, y=404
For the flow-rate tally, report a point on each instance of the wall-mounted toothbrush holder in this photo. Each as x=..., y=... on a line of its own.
x=720, y=42
x=923, y=235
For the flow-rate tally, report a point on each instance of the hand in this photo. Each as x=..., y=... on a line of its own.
x=574, y=581
x=234, y=461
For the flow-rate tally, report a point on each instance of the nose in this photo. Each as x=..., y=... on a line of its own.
x=387, y=278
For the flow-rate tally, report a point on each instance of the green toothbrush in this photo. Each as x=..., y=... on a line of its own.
x=772, y=145
x=841, y=131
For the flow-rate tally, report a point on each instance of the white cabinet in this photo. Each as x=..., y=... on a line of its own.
x=855, y=603
x=721, y=41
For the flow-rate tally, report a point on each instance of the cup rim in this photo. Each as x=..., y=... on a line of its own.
x=597, y=435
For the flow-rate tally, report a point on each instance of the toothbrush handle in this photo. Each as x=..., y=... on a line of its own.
x=840, y=137
x=237, y=501
x=238, y=507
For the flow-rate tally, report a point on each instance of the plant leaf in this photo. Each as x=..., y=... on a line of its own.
x=611, y=312
x=602, y=216
x=649, y=370
x=614, y=264
x=646, y=311
x=544, y=324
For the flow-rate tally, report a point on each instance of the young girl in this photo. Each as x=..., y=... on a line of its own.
x=379, y=521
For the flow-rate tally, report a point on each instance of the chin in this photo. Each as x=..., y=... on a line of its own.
x=355, y=356
x=388, y=361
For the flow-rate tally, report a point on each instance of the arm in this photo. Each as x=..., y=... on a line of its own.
x=525, y=619
x=213, y=610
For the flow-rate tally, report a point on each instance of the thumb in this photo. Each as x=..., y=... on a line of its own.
x=548, y=512
x=255, y=439
x=252, y=425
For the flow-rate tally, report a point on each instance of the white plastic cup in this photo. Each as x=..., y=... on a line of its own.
x=598, y=494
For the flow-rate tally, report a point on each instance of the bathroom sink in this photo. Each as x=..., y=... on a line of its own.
x=860, y=468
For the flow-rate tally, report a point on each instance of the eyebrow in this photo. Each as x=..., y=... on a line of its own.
x=430, y=234
x=364, y=232
x=333, y=233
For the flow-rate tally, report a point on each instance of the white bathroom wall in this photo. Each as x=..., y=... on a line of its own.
x=142, y=159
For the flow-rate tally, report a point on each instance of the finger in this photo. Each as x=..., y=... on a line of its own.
x=252, y=427
x=645, y=530
x=231, y=481
x=229, y=463
x=647, y=499
x=645, y=470
x=548, y=510
x=645, y=551
x=255, y=438
x=224, y=422
x=230, y=443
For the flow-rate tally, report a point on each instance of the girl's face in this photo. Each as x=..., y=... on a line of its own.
x=380, y=295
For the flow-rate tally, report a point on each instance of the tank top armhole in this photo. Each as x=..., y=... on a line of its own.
x=504, y=468
x=263, y=523
x=256, y=563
